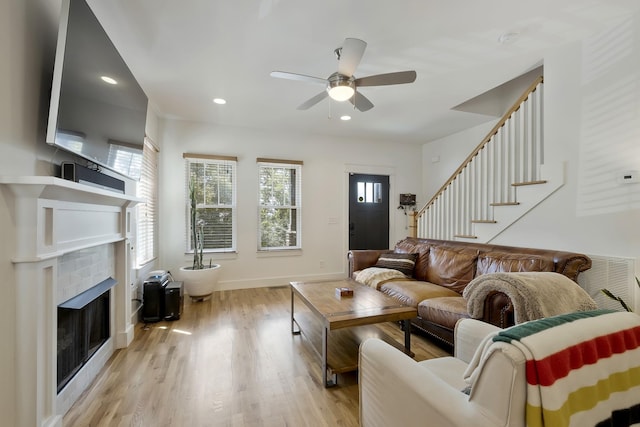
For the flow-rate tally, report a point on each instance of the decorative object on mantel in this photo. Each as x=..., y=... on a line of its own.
x=199, y=280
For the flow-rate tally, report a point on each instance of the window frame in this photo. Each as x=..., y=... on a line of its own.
x=190, y=159
x=294, y=205
x=147, y=212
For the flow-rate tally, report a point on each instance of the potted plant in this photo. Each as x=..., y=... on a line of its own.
x=617, y=298
x=199, y=280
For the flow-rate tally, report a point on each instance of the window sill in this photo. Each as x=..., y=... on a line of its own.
x=279, y=253
x=145, y=264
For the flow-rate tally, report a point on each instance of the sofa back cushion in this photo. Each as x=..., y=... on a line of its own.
x=505, y=262
x=453, y=268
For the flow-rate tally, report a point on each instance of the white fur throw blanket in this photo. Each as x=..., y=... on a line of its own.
x=534, y=294
x=375, y=276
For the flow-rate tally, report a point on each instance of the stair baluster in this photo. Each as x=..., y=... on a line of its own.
x=511, y=155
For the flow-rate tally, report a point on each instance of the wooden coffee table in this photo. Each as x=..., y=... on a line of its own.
x=337, y=324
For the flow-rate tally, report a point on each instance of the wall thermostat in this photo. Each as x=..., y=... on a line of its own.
x=629, y=177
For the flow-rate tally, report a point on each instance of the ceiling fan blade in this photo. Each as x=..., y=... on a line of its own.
x=361, y=102
x=313, y=101
x=387, y=79
x=350, y=56
x=300, y=77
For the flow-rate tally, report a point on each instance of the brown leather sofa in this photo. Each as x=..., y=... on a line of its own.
x=443, y=269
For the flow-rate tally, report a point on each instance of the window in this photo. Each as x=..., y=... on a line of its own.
x=214, y=181
x=147, y=212
x=369, y=192
x=279, y=204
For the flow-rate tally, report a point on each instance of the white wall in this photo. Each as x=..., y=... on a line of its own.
x=570, y=121
x=325, y=196
x=592, y=122
x=442, y=157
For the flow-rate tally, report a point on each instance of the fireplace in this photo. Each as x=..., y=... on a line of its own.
x=83, y=327
x=63, y=238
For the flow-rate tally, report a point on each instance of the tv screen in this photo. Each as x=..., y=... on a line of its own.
x=98, y=109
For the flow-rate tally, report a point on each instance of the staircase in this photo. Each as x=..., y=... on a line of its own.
x=499, y=182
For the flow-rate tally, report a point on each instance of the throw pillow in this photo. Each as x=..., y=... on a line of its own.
x=404, y=263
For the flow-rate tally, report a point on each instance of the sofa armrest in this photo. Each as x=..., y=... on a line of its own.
x=468, y=334
x=498, y=310
x=395, y=390
x=572, y=266
x=363, y=258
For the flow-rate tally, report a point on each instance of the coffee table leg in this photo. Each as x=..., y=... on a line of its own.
x=325, y=368
x=294, y=331
x=407, y=334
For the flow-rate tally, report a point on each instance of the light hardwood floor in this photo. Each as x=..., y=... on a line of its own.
x=228, y=361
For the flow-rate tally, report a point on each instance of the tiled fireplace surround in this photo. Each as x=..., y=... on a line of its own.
x=69, y=238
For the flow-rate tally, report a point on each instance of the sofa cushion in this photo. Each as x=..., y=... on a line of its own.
x=404, y=263
x=407, y=246
x=445, y=311
x=451, y=268
x=504, y=262
x=448, y=369
x=411, y=292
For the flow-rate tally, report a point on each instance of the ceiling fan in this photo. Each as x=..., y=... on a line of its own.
x=343, y=85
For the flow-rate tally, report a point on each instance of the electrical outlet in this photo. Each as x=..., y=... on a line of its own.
x=321, y=263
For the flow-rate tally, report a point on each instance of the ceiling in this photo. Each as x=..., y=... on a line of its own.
x=185, y=53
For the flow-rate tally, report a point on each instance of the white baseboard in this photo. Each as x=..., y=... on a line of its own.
x=53, y=421
x=123, y=339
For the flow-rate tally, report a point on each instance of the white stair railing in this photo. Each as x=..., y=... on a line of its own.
x=509, y=156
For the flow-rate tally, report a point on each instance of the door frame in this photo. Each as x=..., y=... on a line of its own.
x=390, y=171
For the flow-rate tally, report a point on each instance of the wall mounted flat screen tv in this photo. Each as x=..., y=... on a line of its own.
x=98, y=110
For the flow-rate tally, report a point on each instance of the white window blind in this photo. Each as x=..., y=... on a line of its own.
x=279, y=204
x=214, y=181
x=147, y=211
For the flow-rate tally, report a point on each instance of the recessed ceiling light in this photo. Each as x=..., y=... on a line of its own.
x=220, y=101
x=345, y=118
x=109, y=80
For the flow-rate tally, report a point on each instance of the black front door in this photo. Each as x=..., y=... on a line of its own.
x=368, y=211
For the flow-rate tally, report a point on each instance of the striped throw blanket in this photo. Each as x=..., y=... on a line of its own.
x=582, y=369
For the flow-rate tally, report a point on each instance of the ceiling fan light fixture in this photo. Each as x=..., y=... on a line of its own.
x=340, y=88
x=341, y=93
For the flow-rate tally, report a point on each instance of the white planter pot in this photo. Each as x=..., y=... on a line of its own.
x=200, y=284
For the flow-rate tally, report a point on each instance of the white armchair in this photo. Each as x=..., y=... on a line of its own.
x=583, y=369
x=395, y=390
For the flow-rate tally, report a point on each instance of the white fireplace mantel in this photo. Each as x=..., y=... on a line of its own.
x=49, y=187
x=52, y=217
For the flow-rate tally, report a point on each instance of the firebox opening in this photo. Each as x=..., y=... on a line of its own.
x=83, y=327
